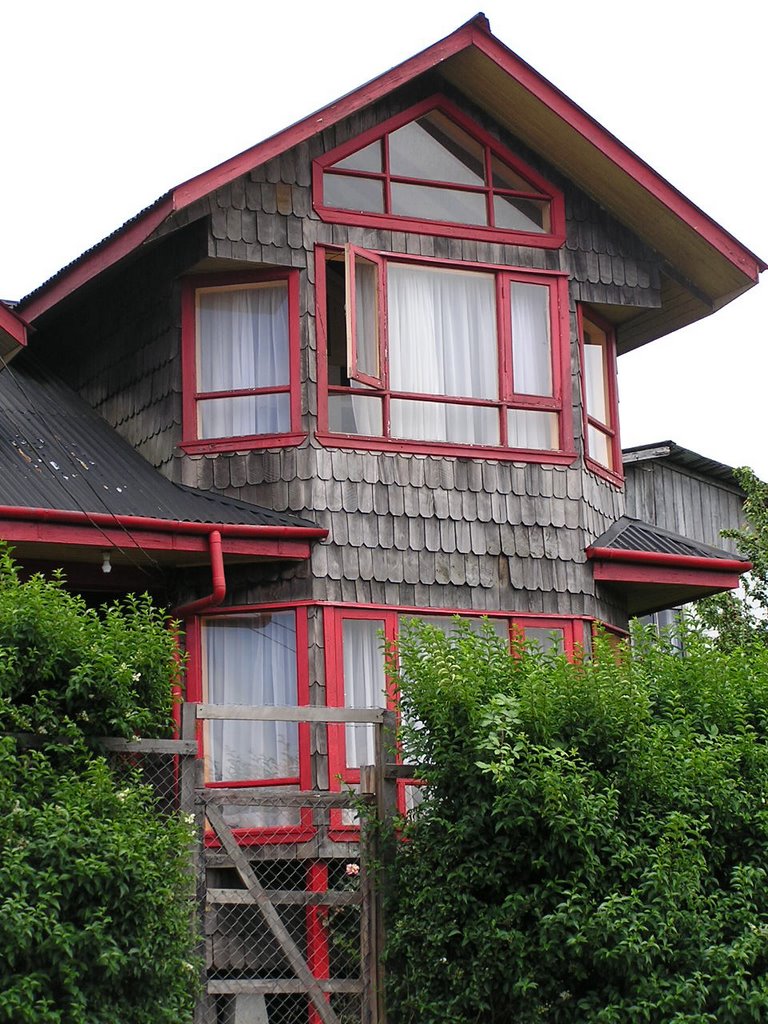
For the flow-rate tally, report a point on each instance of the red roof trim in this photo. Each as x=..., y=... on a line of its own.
x=13, y=325
x=660, y=576
x=610, y=146
x=474, y=33
x=670, y=561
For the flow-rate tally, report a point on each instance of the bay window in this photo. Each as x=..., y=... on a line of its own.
x=240, y=360
x=424, y=353
x=598, y=355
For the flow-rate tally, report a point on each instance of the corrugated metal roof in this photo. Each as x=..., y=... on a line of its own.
x=634, y=535
x=57, y=452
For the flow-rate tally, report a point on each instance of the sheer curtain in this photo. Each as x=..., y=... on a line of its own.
x=442, y=341
x=251, y=659
x=531, y=366
x=242, y=342
x=364, y=684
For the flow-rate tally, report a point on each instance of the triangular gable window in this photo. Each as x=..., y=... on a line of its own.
x=434, y=168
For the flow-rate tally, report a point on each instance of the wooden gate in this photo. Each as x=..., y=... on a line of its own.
x=291, y=932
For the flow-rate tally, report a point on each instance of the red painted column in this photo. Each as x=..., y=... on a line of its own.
x=318, y=949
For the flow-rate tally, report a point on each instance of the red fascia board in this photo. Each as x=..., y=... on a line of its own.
x=13, y=325
x=30, y=532
x=657, y=575
x=670, y=561
x=591, y=130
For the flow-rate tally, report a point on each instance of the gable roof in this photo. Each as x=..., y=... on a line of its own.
x=675, y=453
x=708, y=266
x=62, y=465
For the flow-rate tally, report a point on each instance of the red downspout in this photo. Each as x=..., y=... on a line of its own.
x=219, y=582
x=669, y=561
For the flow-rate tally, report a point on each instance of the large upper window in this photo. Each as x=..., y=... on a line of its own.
x=240, y=345
x=427, y=353
x=602, y=446
x=435, y=170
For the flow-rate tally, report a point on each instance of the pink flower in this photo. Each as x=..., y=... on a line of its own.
x=352, y=870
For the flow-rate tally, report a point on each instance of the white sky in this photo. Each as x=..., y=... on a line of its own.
x=108, y=105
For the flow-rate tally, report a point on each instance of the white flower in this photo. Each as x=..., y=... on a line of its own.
x=136, y=676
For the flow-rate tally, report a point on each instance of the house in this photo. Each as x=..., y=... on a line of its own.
x=361, y=371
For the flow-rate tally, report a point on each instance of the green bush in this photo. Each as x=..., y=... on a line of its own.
x=95, y=891
x=592, y=849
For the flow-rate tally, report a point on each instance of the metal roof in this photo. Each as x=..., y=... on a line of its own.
x=56, y=452
x=629, y=534
x=681, y=457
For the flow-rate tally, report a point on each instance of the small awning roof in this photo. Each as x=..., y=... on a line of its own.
x=13, y=333
x=71, y=487
x=655, y=569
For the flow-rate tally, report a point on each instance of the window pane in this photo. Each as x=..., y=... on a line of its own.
x=428, y=203
x=442, y=332
x=546, y=638
x=435, y=149
x=438, y=421
x=520, y=214
x=529, y=428
x=348, y=193
x=366, y=159
x=364, y=684
x=244, y=415
x=250, y=659
x=531, y=345
x=448, y=624
x=350, y=414
x=367, y=316
x=599, y=446
x=595, y=374
x=242, y=337
x=503, y=176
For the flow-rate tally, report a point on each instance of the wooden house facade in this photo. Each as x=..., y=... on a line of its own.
x=372, y=363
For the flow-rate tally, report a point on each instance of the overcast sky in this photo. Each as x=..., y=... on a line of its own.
x=108, y=105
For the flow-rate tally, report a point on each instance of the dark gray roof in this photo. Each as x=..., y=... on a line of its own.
x=682, y=457
x=634, y=535
x=56, y=452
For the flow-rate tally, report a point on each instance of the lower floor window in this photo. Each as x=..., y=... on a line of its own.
x=260, y=658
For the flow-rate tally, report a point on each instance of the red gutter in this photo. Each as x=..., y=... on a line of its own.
x=669, y=561
x=52, y=515
x=219, y=582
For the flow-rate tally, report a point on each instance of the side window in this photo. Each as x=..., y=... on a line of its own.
x=421, y=354
x=601, y=414
x=255, y=658
x=240, y=360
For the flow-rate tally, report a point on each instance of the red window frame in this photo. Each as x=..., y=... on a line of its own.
x=558, y=403
x=611, y=429
x=191, y=441
x=304, y=830
x=540, y=187
x=341, y=775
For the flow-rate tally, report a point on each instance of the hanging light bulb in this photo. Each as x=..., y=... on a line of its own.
x=106, y=564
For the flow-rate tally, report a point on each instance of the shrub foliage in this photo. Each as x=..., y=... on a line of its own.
x=95, y=911
x=592, y=848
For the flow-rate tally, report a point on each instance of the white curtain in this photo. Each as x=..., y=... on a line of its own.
x=442, y=341
x=251, y=659
x=531, y=366
x=242, y=338
x=364, y=684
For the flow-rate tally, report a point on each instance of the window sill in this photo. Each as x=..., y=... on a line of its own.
x=447, y=449
x=617, y=479
x=242, y=444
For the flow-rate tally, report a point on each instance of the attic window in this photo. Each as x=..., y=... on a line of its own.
x=433, y=166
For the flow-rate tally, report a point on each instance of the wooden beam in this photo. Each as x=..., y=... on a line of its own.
x=260, y=796
x=278, y=986
x=248, y=713
x=286, y=897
